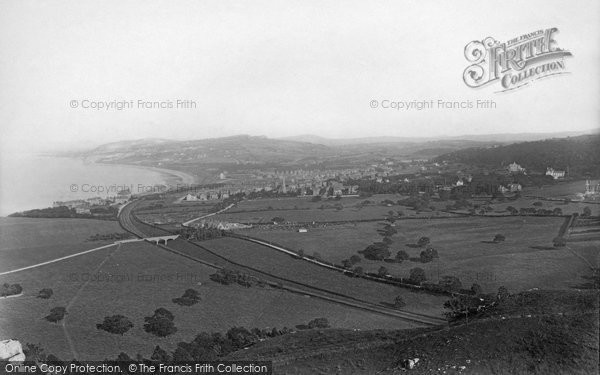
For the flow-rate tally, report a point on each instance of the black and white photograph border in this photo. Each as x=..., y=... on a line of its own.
x=299, y=187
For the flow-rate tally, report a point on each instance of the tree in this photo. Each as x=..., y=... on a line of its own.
x=318, y=323
x=355, y=259
x=402, y=255
x=476, y=289
x=277, y=220
x=502, y=294
x=428, y=255
x=559, y=242
x=499, y=238
x=417, y=275
x=399, y=302
x=160, y=355
x=451, y=283
x=56, y=314
x=161, y=323
x=117, y=324
x=557, y=211
x=45, y=293
x=382, y=271
x=359, y=271
x=190, y=297
x=387, y=240
x=376, y=251
x=423, y=241
x=587, y=211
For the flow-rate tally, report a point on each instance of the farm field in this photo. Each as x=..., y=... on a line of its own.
x=561, y=190
x=526, y=259
x=527, y=202
x=27, y=241
x=286, y=266
x=262, y=211
x=134, y=279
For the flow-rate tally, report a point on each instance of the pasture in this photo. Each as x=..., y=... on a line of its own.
x=27, y=241
x=134, y=279
x=303, y=210
x=526, y=259
x=297, y=270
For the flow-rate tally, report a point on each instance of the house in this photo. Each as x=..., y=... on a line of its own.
x=554, y=173
x=302, y=230
x=190, y=197
x=503, y=189
x=515, y=168
x=514, y=187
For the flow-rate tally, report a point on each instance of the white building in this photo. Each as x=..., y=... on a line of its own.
x=554, y=173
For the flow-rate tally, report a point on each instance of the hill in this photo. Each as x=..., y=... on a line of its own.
x=242, y=149
x=581, y=155
x=539, y=332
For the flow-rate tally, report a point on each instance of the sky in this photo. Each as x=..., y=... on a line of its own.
x=278, y=68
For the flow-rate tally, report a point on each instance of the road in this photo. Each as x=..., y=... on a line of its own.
x=203, y=255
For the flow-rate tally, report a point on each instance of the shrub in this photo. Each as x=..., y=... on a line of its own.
x=399, y=302
x=382, y=271
x=417, y=275
x=45, y=293
x=161, y=323
x=117, y=324
x=423, y=241
x=402, y=255
x=559, y=242
x=56, y=314
x=376, y=251
x=450, y=283
x=318, y=323
x=190, y=297
x=499, y=238
x=428, y=255
x=10, y=290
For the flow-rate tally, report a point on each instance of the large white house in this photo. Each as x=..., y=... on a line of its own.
x=554, y=173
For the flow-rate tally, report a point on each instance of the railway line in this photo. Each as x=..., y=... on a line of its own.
x=207, y=257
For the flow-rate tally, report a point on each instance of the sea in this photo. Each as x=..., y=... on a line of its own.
x=29, y=181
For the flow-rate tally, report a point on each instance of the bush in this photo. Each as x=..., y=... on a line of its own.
x=559, y=242
x=56, y=314
x=423, y=241
x=117, y=324
x=428, y=255
x=451, y=283
x=45, y=293
x=417, y=275
x=499, y=238
x=10, y=290
x=382, y=271
x=401, y=255
x=161, y=323
x=376, y=251
x=190, y=297
x=399, y=302
x=318, y=323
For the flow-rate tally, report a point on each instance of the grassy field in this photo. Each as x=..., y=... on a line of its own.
x=27, y=241
x=303, y=210
x=134, y=280
x=560, y=190
x=283, y=265
x=525, y=260
x=545, y=332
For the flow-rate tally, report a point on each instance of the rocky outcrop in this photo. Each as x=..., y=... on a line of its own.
x=11, y=350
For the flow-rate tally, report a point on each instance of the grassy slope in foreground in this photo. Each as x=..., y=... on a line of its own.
x=545, y=343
